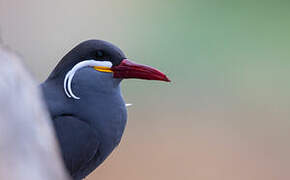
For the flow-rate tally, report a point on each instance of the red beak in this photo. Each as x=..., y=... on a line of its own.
x=130, y=69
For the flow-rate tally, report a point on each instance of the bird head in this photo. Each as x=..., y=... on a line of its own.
x=104, y=57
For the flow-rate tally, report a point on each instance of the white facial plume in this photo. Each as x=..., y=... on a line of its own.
x=70, y=74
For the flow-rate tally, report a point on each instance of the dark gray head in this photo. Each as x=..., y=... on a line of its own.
x=103, y=57
x=97, y=50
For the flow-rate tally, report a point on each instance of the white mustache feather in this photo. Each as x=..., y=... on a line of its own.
x=70, y=74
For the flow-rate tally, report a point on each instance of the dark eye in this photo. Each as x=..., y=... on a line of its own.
x=99, y=53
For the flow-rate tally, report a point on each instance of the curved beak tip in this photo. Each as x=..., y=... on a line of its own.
x=129, y=69
x=167, y=79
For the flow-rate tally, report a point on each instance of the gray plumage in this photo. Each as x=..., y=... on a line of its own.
x=90, y=128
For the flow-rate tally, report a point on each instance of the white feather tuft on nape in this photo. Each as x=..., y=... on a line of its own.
x=70, y=74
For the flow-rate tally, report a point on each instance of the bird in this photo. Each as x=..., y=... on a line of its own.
x=84, y=100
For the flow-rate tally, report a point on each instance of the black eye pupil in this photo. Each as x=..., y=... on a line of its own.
x=100, y=53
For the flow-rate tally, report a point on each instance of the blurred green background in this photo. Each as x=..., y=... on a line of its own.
x=226, y=113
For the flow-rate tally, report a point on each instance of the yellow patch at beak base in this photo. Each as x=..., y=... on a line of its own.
x=102, y=69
